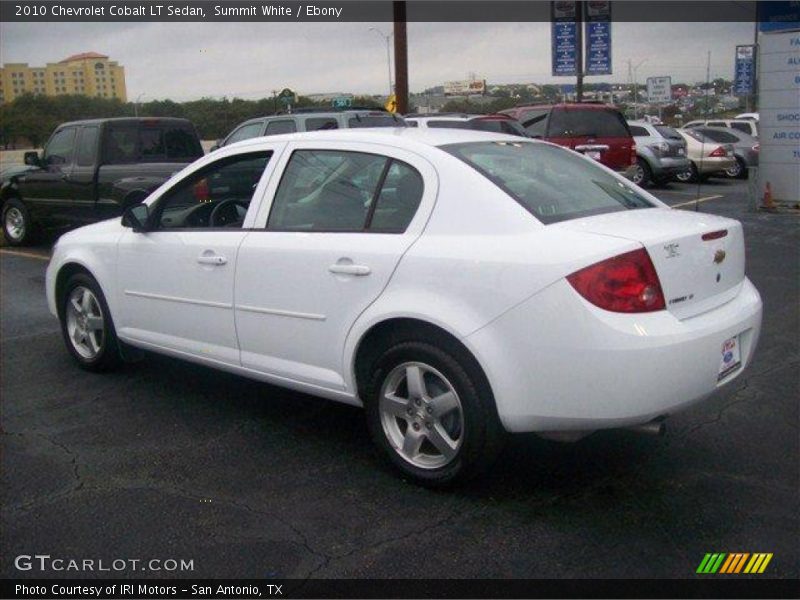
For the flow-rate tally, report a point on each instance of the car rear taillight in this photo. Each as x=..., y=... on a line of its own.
x=757, y=147
x=718, y=152
x=627, y=283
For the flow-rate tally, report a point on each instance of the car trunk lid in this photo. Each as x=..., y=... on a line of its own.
x=699, y=258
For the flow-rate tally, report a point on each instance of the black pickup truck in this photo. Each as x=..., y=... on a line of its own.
x=92, y=170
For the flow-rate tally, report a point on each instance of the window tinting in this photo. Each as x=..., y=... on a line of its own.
x=667, y=132
x=534, y=122
x=151, y=142
x=217, y=196
x=245, y=132
x=375, y=121
x=637, y=131
x=587, y=123
x=552, y=183
x=743, y=127
x=60, y=147
x=399, y=199
x=87, y=147
x=279, y=127
x=315, y=124
x=182, y=144
x=121, y=145
x=716, y=124
x=326, y=190
x=721, y=137
x=498, y=126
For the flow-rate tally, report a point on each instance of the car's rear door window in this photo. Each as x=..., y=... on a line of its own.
x=398, y=200
x=318, y=123
x=245, y=132
x=375, y=121
x=87, y=146
x=637, y=131
x=721, y=137
x=279, y=127
x=534, y=122
x=743, y=127
x=552, y=183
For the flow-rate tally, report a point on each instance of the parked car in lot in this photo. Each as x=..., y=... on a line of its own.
x=707, y=157
x=597, y=130
x=660, y=153
x=745, y=148
x=310, y=119
x=748, y=126
x=498, y=123
x=91, y=170
x=457, y=284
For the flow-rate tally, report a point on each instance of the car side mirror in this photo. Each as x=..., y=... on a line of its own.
x=32, y=159
x=136, y=217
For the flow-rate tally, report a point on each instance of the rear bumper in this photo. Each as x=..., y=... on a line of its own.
x=668, y=167
x=557, y=363
x=714, y=165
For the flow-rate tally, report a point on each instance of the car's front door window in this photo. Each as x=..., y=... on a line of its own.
x=61, y=147
x=217, y=196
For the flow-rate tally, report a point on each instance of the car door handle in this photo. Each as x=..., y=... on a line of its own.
x=211, y=259
x=344, y=269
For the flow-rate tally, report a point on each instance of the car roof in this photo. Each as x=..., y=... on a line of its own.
x=402, y=137
x=570, y=105
x=123, y=120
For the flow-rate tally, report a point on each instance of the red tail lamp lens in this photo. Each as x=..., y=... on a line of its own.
x=627, y=283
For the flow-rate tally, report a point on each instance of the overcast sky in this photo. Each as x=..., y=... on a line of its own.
x=184, y=61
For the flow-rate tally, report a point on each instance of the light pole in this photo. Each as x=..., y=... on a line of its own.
x=636, y=88
x=386, y=38
x=136, y=104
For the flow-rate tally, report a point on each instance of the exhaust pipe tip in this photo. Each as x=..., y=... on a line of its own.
x=656, y=427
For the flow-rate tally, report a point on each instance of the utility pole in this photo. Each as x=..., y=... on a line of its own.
x=579, y=50
x=386, y=38
x=400, y=57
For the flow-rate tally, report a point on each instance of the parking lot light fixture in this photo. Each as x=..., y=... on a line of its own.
x=387, y=37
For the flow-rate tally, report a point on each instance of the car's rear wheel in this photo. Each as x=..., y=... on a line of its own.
x=642, y=175
x=18, y=228
x=87, y=326
x=737, y=171
x=689, y=175
x=430, y=415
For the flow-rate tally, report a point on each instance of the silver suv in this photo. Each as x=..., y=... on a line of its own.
x=660, y=153
x=310, y=120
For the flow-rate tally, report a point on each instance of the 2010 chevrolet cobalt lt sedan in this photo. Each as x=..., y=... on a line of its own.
x=456, y=284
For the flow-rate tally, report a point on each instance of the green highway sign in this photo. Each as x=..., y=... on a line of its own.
x=343, y=102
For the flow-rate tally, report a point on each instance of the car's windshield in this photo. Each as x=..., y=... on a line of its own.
x=552, y=183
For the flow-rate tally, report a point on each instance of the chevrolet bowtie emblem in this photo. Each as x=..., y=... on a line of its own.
x=719, y=256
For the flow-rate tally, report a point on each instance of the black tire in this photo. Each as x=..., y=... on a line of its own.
x=688, y=176
x=18, y=227
x=642, y=170
x=108, y=355
x=482, y=435
x=739, y=171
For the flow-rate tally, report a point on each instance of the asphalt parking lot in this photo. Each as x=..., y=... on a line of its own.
x=168, y=460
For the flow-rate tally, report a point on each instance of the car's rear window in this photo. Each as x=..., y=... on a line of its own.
x=552, y=183
x=375, y=121
x=499, y=126
x=587, y=123
x=721, y=137
x=668, y=132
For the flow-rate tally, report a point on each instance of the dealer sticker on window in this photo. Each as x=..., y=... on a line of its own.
x=731, y=357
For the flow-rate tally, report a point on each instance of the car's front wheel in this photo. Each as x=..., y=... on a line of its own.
x=87, y=326
x=18, y=228
x=430, y=415
x=641, y=173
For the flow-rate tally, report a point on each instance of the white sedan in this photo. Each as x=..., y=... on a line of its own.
x=456, y=284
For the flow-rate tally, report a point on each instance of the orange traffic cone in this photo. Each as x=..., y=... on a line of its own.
x=768, y=202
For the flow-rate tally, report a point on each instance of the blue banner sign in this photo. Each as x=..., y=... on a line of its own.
x=745, y=70
x=598, y=48
x=565, y=48
x=564, y=38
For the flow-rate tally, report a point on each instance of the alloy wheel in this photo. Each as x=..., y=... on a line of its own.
x=421, y=415
x=85, y=323
x=15, y=223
